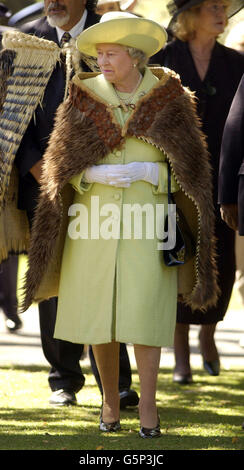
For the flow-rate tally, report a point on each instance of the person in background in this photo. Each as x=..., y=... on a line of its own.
x=8, y=293
x=62, y=22
x=231, y=169
x=235, y=40
x=213, y=72
x=8, y=268
x=103, y=6
x=5, y=14
x=128, y=5
x=111, y=144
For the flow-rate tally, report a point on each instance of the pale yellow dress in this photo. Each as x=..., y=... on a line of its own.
x=117, y=288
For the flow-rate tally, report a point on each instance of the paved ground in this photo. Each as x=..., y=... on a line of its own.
x=24, y=348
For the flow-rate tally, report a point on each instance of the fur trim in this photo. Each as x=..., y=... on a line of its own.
x=88, y=130
x=79, y=138
x=177, y=130
x=101, y=115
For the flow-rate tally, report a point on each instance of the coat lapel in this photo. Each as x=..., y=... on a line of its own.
x=100, y=101
x=42, y=29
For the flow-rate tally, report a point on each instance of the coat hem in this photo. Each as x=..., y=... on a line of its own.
x=163, y=344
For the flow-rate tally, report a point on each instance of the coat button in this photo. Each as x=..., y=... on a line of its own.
x=118, y=153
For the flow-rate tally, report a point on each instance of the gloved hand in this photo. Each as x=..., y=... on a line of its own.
x=135, y=171
x=152, y=172
x=123, y=175
x=101, y=174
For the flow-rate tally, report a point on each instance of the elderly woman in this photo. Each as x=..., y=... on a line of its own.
x=213, y=71
x=107, y=160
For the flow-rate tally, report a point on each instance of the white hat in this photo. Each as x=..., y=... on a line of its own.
x=103, y=2
x=116, y=27
x=124, y=4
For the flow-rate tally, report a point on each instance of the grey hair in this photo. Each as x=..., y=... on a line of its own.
x=139, y=55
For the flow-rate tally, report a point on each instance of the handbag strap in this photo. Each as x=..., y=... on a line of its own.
x=170, y=196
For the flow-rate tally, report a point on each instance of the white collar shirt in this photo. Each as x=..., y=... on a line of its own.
x=76, y=30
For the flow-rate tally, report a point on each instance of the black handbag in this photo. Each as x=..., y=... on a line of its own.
x=185, y=245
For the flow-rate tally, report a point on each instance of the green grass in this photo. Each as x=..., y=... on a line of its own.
x=204, y=416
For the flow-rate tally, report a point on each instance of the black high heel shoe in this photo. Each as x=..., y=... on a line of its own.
x=108, y=427
x=149, y=433
x=212, y=367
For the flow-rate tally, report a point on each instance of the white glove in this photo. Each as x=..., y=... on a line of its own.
x=135, y=171
x=121, y=176
x=152, y=171
x=101, y=174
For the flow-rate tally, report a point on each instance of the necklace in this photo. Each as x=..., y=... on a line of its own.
x=125, y=101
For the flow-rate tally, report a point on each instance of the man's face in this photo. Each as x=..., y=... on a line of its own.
x=64, y=13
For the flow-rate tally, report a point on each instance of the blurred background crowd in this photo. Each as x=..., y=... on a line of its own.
x=153, y=9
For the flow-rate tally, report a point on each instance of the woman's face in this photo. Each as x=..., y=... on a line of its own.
x=115, y=62
x=212, y=18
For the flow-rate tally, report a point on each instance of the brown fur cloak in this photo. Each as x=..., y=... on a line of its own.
x=85, y=131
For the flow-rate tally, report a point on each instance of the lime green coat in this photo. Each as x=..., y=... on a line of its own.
x=118, y=288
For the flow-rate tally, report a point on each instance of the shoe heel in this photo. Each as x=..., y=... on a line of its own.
x=108, y=427
x=150, y=433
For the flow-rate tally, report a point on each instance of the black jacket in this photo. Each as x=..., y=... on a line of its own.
x=214, y=97
x=231, y=170
x=35, y=140
x=214, y=94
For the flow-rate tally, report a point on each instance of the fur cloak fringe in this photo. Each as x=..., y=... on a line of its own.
x=85, y=132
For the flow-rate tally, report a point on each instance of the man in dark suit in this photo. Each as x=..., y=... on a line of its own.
x=65, y=377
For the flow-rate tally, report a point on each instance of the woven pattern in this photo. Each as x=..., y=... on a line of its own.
x=73, y=61
x=29, y=73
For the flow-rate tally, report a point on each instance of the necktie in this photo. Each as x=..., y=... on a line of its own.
x=65, y=38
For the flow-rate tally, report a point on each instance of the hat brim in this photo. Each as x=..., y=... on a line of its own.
x=235, y=6
x=141, y=33
x=172, y=8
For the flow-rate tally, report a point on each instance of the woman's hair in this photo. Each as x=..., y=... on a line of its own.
x=91, y=5
x=139, y=55
x=184, y=26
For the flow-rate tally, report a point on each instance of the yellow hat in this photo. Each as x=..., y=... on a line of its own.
x=116, y=27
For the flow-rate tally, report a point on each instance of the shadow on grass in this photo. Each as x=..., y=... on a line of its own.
x=83, y=434
x=205, y=415
x=86, y=369
x=25, y=368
